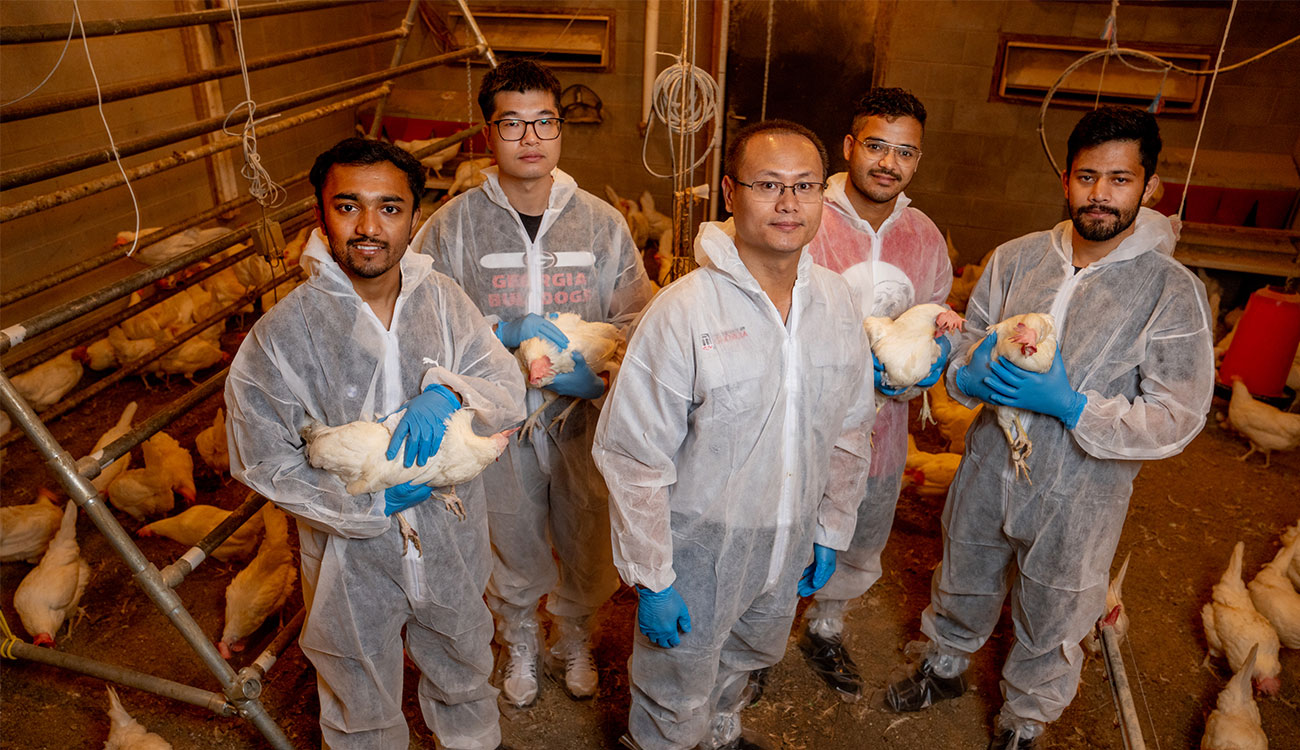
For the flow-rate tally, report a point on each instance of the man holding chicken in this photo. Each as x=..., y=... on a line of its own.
x=526, y=243
x=893, y=257
x=1131, y=381
x=735, y=446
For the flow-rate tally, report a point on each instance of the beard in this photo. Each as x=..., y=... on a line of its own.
x=1104, y=228
x=876, y=193
x=364, y=268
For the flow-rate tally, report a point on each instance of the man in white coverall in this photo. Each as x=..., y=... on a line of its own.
x=374, y=329
x=893, y=257
x=526, y=243
x=735, y=446
x=1131, y=381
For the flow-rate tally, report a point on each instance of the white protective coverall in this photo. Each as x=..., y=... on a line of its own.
x=322, y=354
x=902, y=265
x=732, y=442
x=1134, y=332
x=544, y=490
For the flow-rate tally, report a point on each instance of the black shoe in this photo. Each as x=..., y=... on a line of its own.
x=1007, y=740
x=830, y=660
x=755, y=687
x=922, y=689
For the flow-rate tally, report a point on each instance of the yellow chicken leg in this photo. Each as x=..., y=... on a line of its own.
x=1021, y=447
x=409, y=535
x=452, y=501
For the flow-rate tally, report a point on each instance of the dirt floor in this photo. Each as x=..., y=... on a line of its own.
x=1186, y=514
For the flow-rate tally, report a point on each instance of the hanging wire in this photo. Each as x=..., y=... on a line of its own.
x=265, y=190
x=1187, y=183
x=767, y=57
x=66, y=43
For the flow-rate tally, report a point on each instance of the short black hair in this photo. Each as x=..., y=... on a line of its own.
x=889, y=103
x=360, y=152
x=516, y=75
x=1114, y=123
x=736, y=148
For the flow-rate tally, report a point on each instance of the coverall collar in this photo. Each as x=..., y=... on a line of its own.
x=837, y=197
x=715, y=247
x=562, y=189
x=326, y=275
x=1153, y=232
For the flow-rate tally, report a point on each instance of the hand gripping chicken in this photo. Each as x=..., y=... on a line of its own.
x=546, y=363
x=907, y=348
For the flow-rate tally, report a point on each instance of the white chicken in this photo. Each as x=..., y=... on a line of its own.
x=126, y=349
x=1115, y=614
x=163, y=451
x=953, y=418
x=1234, y=724
x=169, y=247
x=262, y=588
x=356, y=453
x=432, y=161
x=141, y=493
x=98, y=355
x=43, y=385
x=51, y=592
x=659, y=223
x=253, y=271
x=197, y=353
x=930, y=473
x=469, y=175
x=212, y=446
x=1293, y=572
x=26, y=530
x=1275, y=598
x=126, y=733
x=190, y=526
x=1233, y=625
x=600, y=345
x=113, y=470
x=905, y=346
x=1266, y=427
x=637, y=223
x=1029, y=342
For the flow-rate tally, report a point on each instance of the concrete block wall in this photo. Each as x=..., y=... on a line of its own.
x=984, y=177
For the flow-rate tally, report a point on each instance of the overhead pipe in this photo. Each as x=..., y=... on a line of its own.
x=720, y=73
x=408, y=22
x=76, y=100
x=84, y=494
x=56, y=32
x=58, y=167
x=481, y=43
x=71, y=272
x=175, y=573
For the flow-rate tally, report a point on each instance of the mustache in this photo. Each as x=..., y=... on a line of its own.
x=352, y=244
x=887, y=173
x=1104, y=209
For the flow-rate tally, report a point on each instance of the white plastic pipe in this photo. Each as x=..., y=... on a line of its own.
x=648, y=60
x=720, y=121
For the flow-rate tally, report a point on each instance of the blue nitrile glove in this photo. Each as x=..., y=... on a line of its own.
x=970, y=376
x=580, y=383
x=936, y=370
x=660, y=614
x=878, y=372
x=530, y=326
x=423, y=424
x=816, y=575
x=402, y=496
x=1044, y=392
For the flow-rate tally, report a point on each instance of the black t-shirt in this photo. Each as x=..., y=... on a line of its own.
x=531, y=224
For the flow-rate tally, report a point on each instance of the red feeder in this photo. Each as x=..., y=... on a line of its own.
x=1265, y=342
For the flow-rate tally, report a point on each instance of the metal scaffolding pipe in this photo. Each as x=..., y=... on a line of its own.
x=55, y=32
x=175, y=573
x=57, y=167
x=1129, y=725
x=78, y=99
x=215, y=702
x=52, y=280
x=83, y=493
x=480, y=42
x=412, y=9
x=265, y=660
x=77, y=192
x=50, y=319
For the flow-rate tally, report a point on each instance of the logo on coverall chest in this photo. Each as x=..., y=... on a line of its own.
x=708, y=340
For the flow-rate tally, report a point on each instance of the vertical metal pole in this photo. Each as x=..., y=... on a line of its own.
x=382, y=104
x=1130, y=727
x=242, y=695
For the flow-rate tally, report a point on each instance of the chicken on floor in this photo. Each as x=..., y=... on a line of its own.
x=1233, y=626
x=52, y=591
x=1275, y=598
x=1235, y=723
x=1266, y=427
x=261, y=589
x=26, y=530
x=126, y=733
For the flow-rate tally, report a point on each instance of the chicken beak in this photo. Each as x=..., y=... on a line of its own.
x=43, y=639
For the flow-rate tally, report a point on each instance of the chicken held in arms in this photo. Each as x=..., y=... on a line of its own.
x=1029, y=342
x=598, y=344
x=907, y=347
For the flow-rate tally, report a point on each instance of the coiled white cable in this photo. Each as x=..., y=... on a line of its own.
x=685, y=99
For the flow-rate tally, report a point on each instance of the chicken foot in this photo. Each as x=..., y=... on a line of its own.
x=452, y=501
x=1253, y=449
x=1021, y=447
x=548, y=398
x=409, y=535
x=925, y=409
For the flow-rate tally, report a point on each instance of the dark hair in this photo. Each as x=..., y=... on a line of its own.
x=1111, y=123
x=736, y=148
x=359, y=152
x=889, y=103
x=516, y=75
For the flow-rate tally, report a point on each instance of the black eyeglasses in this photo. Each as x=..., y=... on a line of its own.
x=546, y=129
x=768, y=191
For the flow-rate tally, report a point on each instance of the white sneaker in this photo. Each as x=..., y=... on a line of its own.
x=573, y=656
x=520, y=683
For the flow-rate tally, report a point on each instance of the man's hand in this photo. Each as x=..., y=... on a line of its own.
x=816, y=575
x=423, y=425
x=402, y=496
x=580, y=383
x=660, y=614
x=936, y=370
x=970, y=378
x=1043, y=392
x=530, y=326
x=878, y=373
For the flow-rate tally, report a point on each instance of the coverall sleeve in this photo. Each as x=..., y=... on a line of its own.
x=482, y=372
x=641, y=428
x=266, y=451
x=632, y=287
x=1175, y=387
x=846, y=484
